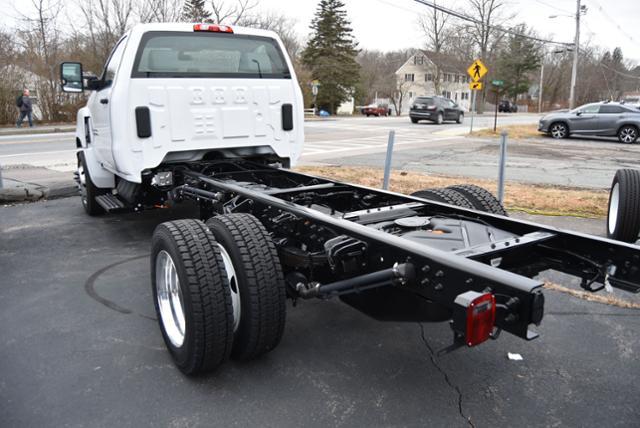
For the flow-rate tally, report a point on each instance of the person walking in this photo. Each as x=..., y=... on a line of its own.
x=24, y=102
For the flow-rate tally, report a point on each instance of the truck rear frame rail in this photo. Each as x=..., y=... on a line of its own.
x=338, y=239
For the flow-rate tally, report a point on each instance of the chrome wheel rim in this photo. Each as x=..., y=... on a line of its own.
x=233, y=286
x=628, y=135
x=558, y=131
x=169, y=297
x=614, y=203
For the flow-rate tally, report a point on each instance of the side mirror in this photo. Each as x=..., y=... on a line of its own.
x=71, y=77
x=578, y=113
x=93, y=83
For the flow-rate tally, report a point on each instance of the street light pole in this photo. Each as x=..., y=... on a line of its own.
x=576, y=48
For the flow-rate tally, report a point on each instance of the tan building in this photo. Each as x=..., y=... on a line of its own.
x=428, y=73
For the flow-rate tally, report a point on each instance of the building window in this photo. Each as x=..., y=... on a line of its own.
x=418, y=60
x=410, y=95
x=408, y=77
x=455, y=96
x=428, y=77
x=457, y=80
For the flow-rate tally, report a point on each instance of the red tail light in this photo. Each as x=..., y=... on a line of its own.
x=215, y=28
x=474, y=316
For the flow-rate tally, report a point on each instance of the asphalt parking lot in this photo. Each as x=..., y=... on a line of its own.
x=80, y=347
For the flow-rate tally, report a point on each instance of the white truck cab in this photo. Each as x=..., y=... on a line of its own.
x=173, y=92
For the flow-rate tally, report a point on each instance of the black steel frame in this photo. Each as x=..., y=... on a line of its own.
x=326, y=248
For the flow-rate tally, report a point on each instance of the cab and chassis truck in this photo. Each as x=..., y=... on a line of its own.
x=214, y=115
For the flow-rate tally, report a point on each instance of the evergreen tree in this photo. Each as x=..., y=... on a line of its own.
x=331, y=53
x=516, y=64
x=195, y=11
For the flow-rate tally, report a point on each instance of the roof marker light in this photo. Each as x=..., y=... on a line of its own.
x=214, y=28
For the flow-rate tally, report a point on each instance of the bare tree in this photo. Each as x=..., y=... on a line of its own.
x=281, y=25
x=435, y=27
x=159, y=10
x=438, y=32
x=399, y=94
x=484, y=32
x=234, y=12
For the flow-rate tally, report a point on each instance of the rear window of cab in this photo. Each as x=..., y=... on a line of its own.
x=208, y=55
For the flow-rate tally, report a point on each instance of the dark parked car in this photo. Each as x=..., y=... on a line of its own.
x=507, y=106
x=435, y=109
x=601, y=119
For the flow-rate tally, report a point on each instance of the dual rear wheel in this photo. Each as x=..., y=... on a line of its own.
x=218, y=289
x=465, y=196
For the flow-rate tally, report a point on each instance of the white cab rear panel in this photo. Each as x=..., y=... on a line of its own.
x=193, y=116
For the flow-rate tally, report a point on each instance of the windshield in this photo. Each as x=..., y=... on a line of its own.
x=175, y=54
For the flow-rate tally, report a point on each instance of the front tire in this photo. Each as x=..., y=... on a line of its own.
x=628, y=134
x=191, y=295
x=258, y=281
x=440, y=119
x=460, y=118
x=414, y=120
x=558, y=130
x=623, y=214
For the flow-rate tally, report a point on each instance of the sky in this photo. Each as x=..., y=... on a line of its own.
x=392, y=24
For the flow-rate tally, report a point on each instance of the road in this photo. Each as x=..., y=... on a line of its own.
x=80, y=346
x=423, y=147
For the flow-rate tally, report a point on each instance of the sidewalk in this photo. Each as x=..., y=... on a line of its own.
x=27, y=183
x=44, y=129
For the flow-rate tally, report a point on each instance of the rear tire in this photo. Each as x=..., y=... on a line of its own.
x=628, y=134
x=194, y=308
x=481, y=199
x=259, y=281
x=460, y=118
x=448, y=196
x=558, y=130
x=88, y=190
x=623, y=219
x=440, y=119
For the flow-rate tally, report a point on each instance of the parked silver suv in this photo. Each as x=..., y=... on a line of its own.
x=606, y=119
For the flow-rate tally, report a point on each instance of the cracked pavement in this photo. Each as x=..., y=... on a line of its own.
x=74, y=357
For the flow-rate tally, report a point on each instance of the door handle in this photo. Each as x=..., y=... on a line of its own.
x=104, y=101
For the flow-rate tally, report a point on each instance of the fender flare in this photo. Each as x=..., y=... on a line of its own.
x=100, y=176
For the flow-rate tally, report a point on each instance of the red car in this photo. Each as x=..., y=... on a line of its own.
x=376, y=110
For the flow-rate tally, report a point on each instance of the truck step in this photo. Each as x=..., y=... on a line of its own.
x=111, y=203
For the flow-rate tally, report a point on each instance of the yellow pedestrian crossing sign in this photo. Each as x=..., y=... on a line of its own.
x=475, y=86
x=477, y=70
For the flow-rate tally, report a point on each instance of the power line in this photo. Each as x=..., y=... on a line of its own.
x=494, y=27
x=553, y=7
x=606, y=15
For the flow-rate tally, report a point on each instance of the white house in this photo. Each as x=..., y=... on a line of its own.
x=429, y=73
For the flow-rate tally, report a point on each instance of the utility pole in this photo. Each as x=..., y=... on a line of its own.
x=576, y=49
x=541, y=83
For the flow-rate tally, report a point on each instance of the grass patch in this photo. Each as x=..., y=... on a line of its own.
x=591, y=297
x=515, y=131
x=534, y=199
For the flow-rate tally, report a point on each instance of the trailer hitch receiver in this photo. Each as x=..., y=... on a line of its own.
x=474, y=316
